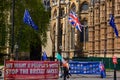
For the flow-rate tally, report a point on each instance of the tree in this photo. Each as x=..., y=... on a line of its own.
x=4, y=27
x=27, y=38
x=30, y=40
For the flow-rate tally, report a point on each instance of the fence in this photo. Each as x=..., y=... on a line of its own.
x=108, y=61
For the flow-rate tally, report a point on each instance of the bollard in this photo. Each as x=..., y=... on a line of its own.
x=0, y=73
x=115, y=72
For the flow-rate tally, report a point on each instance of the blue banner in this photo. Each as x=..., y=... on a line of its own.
x=78, y=67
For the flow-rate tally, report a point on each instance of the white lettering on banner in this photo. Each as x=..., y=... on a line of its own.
x=9, y=65
x=11, y=71
x=46, y=65
x=36, y=65
x=52, y=71
x=37, y=71
x=19, y=65
x=31, y=69
x=53, y=65
x=23, y=71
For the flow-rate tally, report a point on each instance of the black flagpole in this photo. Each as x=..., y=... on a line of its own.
x=12, y=28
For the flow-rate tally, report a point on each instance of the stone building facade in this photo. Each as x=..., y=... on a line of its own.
x=97, y=38
x=102, y=39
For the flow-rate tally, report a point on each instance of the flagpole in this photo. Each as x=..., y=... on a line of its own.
x=113, y=3
x=59, y=30
x=105, y=33
x=68, y=33
x=104, y=52
x=12, y=29
x=113, y=31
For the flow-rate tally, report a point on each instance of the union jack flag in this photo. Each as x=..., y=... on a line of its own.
x=102, y=68
x=74, y=21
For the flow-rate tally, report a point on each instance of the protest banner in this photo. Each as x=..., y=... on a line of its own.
x=31, y=70
x=87, y=67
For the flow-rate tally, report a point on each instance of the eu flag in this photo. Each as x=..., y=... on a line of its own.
x=112, y=24
x=44, y=56
x=28, y=20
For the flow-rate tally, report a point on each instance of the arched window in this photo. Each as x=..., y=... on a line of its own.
x=55, y=13
x=85, y=30
x=84, y=33
x=84, y=6
x=54, y=31
x=46, y=3
x=54, y=1
x=72, y=38
x=73, y=7
x=62, y=12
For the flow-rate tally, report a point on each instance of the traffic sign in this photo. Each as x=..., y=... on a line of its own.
x=114, y=59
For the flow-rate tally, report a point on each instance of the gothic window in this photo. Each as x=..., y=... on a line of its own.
x=62, y=12
x=86, y=30
x=73, y=7
x=84, y=6
x=84, y=33
x=46, y=3
x=54, y=1
x=72, y=37
x=54, y=31
x=55, y=14
x=118, y=7
x=82, y=36
x=60, y=33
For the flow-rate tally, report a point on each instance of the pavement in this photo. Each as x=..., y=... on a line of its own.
x=109, y=76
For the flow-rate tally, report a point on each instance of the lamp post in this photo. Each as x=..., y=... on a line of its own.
x=67, y=29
